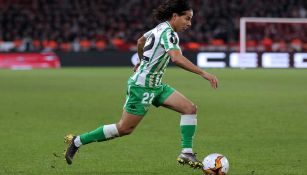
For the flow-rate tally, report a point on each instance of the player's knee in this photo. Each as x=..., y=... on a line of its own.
x=191, y=109
x=123, y=131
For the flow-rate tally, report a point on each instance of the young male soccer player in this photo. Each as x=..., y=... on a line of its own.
x=155, y=49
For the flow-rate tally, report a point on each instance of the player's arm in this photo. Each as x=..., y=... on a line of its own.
x=140, y=45
x=186, y=64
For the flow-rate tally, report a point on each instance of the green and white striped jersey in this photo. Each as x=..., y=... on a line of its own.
x=159, y=41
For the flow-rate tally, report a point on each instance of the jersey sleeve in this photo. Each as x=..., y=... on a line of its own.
x=170, y=40
x=147, y=34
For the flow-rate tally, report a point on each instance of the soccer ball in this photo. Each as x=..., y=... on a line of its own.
x=215, y=164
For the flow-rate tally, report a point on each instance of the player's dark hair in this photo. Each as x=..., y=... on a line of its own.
x=165, y=10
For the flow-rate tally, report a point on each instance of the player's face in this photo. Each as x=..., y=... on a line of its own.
x=182, y=23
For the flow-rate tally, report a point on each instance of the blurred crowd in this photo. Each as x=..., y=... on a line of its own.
x=82, y=25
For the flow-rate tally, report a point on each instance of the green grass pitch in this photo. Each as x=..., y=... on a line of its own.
x=257, y=118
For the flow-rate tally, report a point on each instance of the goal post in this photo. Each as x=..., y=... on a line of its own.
x=245, y=20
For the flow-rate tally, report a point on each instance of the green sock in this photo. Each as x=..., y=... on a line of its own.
x=188, y=127
x=187, y=134
x=105, y=132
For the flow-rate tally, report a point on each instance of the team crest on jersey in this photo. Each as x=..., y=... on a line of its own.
x=173, y=39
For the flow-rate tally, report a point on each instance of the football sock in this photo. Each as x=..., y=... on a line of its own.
x=188, y=127
x=187, y=150
x=77, y=141
x=105, y=132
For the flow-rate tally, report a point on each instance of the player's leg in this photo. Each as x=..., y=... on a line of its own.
x=125, y=126
x=134, y=110
x=177, y=102
x=128, y=123
x=174, y=100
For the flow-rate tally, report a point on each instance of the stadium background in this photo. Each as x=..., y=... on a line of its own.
x=102, y=27
x=257, y=117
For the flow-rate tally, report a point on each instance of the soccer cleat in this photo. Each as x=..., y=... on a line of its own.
x=71, y=150
x=190, y=159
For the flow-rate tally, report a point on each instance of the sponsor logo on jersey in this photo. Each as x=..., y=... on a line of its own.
x=173, y=39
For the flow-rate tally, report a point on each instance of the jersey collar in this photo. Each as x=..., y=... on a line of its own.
x=169, y=25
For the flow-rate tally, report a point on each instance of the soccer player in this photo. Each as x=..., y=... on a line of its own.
x=155, y=48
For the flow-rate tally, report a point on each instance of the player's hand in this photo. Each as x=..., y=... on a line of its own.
x=211, y=78
x=136, y=67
